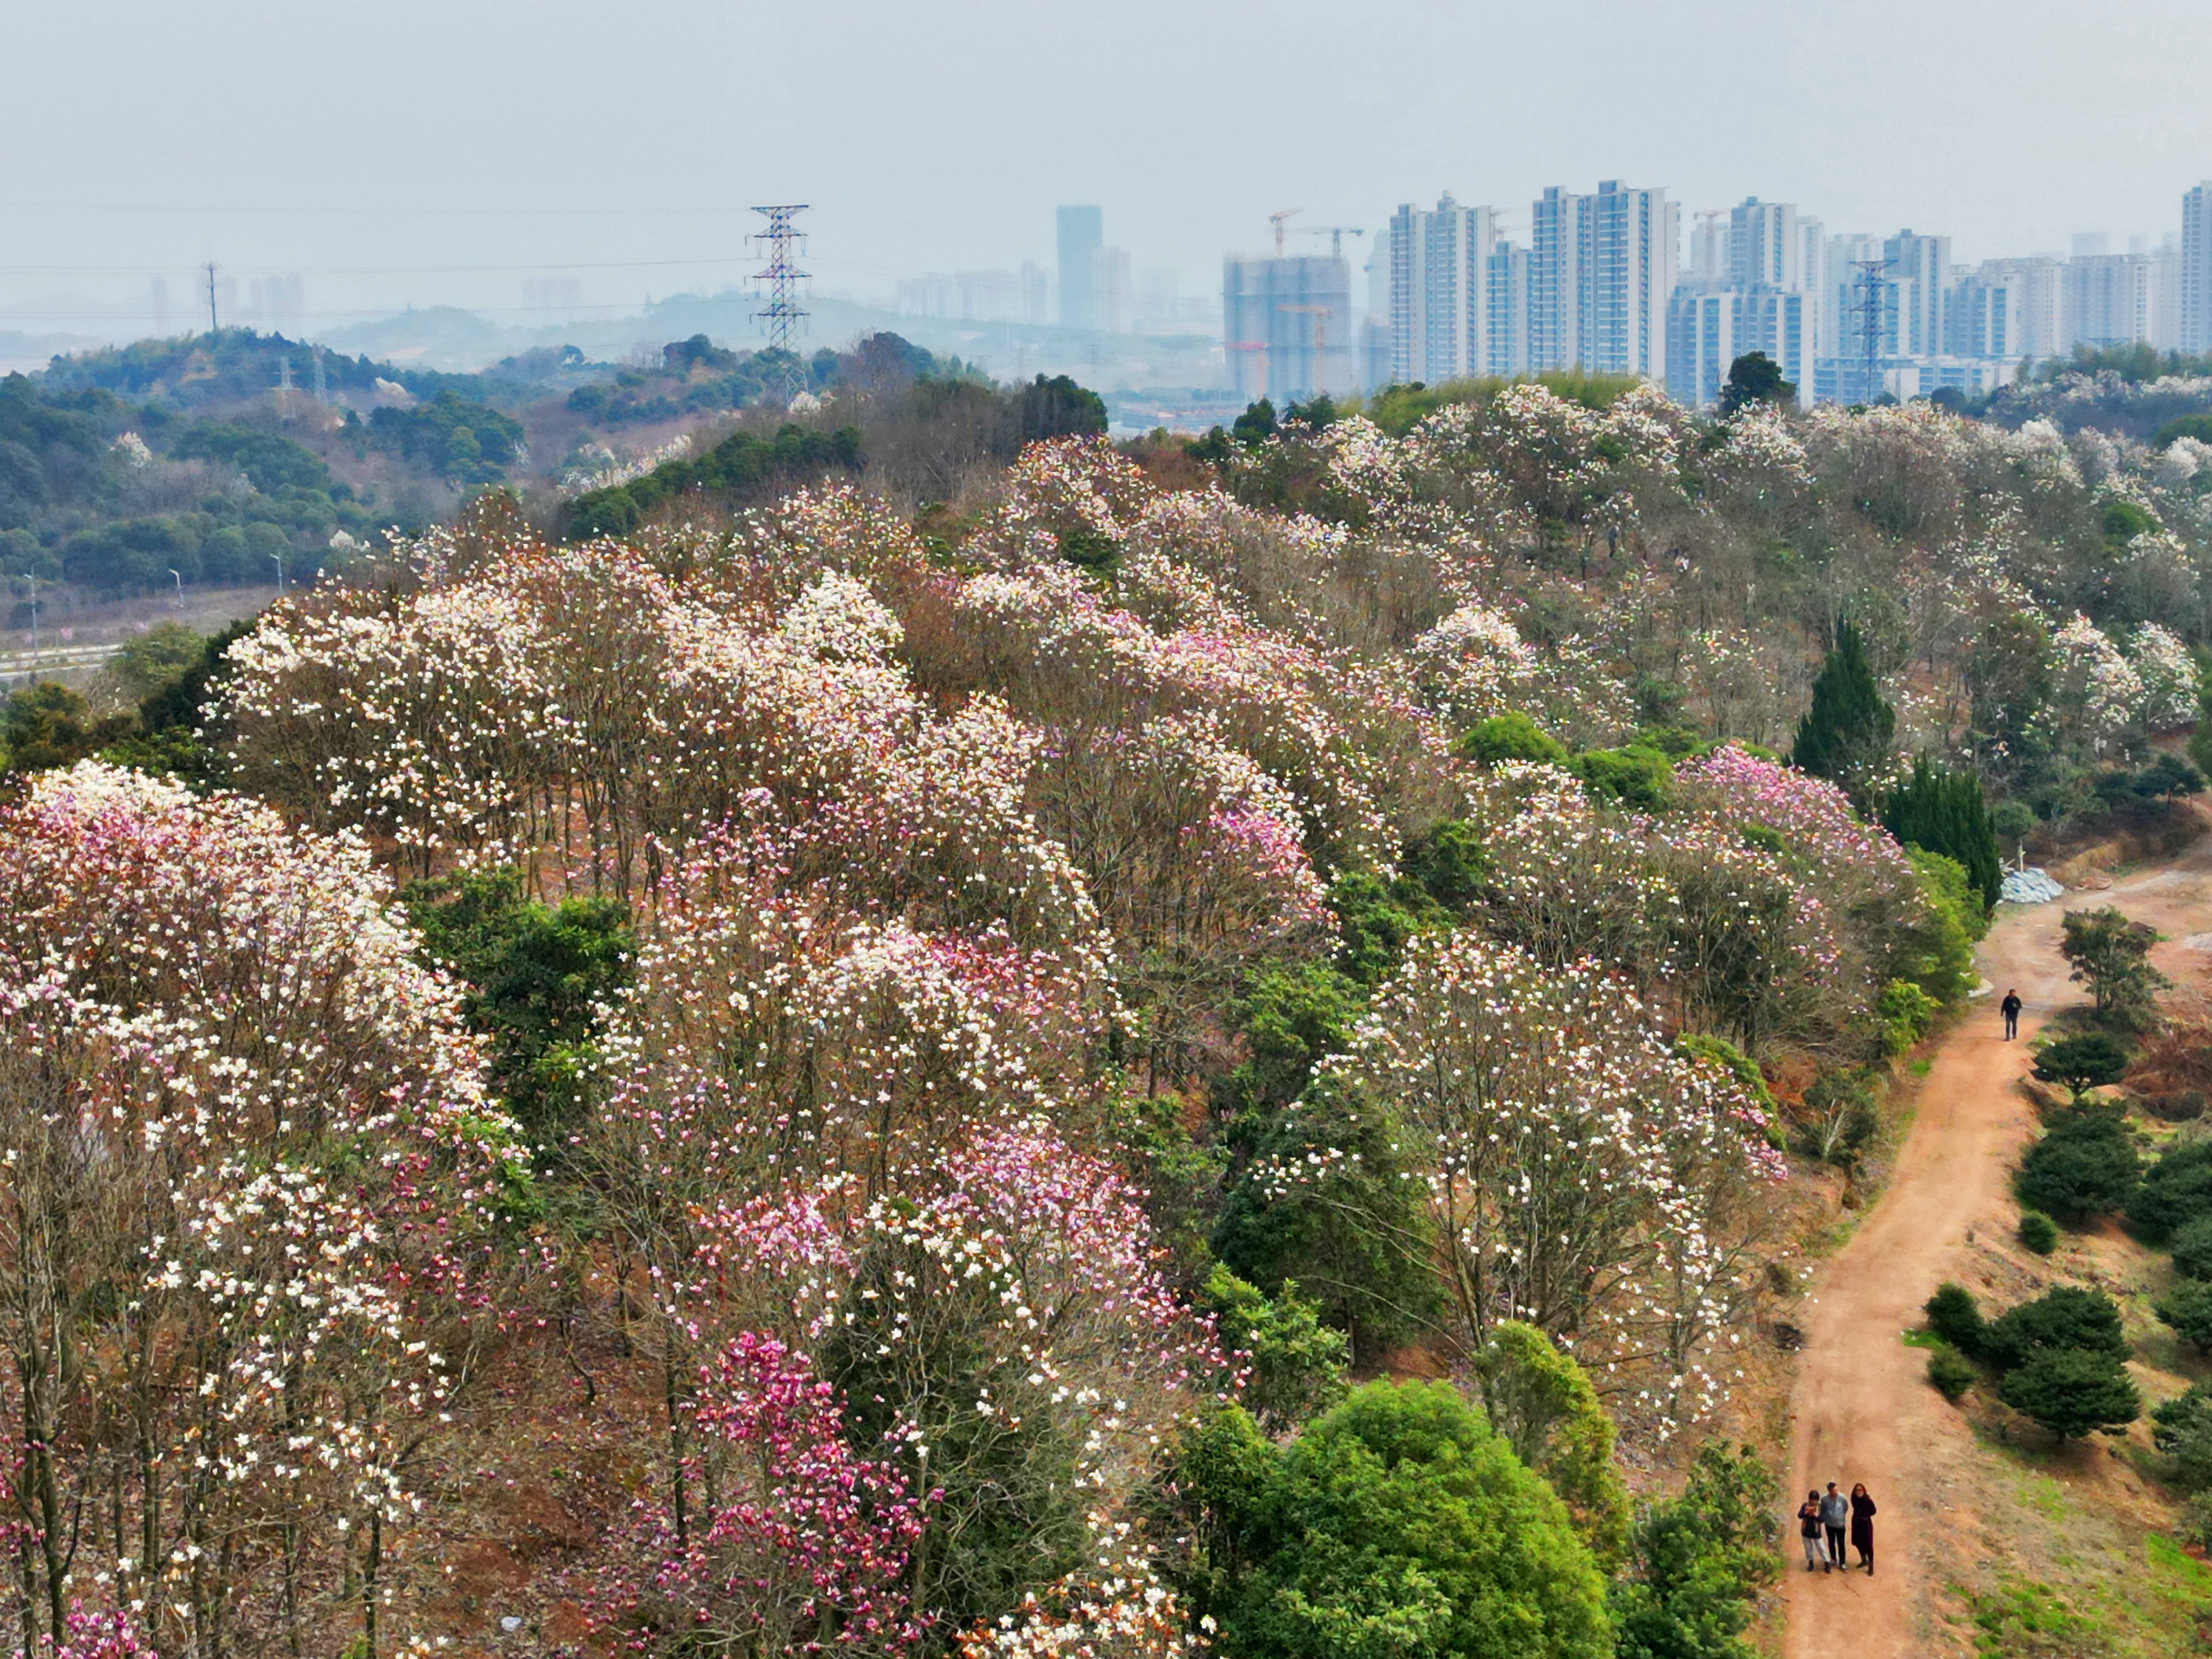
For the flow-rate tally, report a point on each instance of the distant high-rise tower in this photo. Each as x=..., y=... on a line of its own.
x=1635, y=238
x=1763, y=245
x=1439, y=318
x=2196, y=269
x=1558, y=261
x=1082, y=235
x=1920, y=267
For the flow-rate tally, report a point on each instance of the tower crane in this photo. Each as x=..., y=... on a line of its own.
x=1336, y=233
x=1277, y=220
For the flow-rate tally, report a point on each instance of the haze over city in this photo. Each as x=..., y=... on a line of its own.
x=421, y=155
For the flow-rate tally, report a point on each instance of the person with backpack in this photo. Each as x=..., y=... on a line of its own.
x=1835, y=1516
x=1808, y=1529
x=2010, y=1008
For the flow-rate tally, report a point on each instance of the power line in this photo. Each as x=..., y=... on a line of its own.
x=377, y=270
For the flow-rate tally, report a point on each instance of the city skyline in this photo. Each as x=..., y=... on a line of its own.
x=285, y=141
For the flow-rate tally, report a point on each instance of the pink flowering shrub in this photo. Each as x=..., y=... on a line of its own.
x=804, y=1548
x=245, y=1149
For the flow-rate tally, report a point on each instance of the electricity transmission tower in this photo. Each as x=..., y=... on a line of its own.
x=213, y=327
x=781, y=316
x=1871, y=287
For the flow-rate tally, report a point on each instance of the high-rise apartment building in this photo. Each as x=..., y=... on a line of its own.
x=1508, y=299
x=2165, y=294
x=1559, y=265
x=1812, y=282
x=1700, y=342
x=1921, y=268
x=2035, y=307
x=2108, y=299
x=1709, y=254
x=1082, y=237
x=1439, y=264
x=1636, y=236
x=1763, y=249
x=2195, y=307
x=1289, y=327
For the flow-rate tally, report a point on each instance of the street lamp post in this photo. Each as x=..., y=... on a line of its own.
x=279, y=557
x=180, y=590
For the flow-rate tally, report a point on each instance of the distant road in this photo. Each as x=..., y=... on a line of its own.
x=56, y=658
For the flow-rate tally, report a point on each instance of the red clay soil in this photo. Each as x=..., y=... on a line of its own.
x=1862, y=1409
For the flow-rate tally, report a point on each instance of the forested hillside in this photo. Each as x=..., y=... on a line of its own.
x=1031, y=1049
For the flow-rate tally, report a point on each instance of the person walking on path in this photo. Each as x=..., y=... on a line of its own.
x=1808, y=1529
x=1862, y=1527
x=1835, y=1514
x=2010, y=1007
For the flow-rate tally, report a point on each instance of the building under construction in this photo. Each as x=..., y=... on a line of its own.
x=1288, y=323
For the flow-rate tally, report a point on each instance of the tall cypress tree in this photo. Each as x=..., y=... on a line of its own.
x=1946, y=812
x=1845, y=735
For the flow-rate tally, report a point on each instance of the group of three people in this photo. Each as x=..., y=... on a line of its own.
x=1821, y=1521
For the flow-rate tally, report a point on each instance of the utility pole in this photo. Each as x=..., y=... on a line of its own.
x=781, y=316
x=284, y=387
x=213, y=325
x=34, y=622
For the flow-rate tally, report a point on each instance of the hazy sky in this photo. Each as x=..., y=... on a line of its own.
x=376, y=148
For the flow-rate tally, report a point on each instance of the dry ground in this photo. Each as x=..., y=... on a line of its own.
x=1990, y=1540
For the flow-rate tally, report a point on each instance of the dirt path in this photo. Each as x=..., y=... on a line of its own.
x=1862, y=1409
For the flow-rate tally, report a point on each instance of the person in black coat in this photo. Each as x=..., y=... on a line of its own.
x=2010, y=1008
x=1863, y=1526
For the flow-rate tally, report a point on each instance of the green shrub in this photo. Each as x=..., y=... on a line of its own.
x=1296, y=1364
x=537, y=974
x=2181, y=1428
x=1936, y=948
x=2192, y=1248
x=1637, y=777
x=1696, y=1563
x=1953, y=1315
x=2038, y=1232
x=1951, y=1374
x=1398, y=1523
x=2088, y=1061
x=1542, y=1402
x=1377, y=919
x=2188, y=1307
x=2084, y=1165
x=2071, y=1391
x=2196, y=1526
x=2112, y=956
x=2175, y=1191
x=1510, y=736
x=2066, y=1318
x=1905, y=1012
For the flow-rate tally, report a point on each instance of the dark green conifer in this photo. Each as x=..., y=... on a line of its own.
x=1845, y=735
x=1946, y=812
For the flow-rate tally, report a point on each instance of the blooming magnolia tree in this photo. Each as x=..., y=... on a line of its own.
x=1581, y=1175
x=245, y=1145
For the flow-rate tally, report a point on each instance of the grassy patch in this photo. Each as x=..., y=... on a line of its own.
x=1920, y=1068
x=2021, y=1619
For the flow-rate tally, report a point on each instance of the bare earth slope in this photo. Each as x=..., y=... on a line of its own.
x=1861, y=1409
